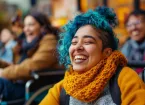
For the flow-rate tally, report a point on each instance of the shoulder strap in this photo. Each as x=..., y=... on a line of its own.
x=64, y=98
x=143, y=75
x=114, y=88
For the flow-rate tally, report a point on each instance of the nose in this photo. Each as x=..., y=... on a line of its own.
x=133, y=27
x=26, y=28
x=79, y=46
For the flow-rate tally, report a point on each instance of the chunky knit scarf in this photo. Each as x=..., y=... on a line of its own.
x=87, y=86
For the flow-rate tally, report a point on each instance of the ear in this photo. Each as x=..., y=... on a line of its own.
x=107, y=52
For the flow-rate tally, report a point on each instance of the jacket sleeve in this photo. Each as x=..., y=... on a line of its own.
x=132, y=87
x=53, y=96
x=3, y=64
x=44, y=57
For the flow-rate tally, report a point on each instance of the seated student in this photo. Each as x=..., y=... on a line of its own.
x=36, y=52
x=97, y=73
x=17, y=28
x=8, y=42
x=134, y=48
x=16, y=25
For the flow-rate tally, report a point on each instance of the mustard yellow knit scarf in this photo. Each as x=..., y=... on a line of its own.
x=87, y=86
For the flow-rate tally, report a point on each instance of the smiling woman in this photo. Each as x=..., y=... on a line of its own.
x=86, y=49
x=97, y=72
x=35, y=51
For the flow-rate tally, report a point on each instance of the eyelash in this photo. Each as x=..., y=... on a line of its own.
x=73, y=43
x=87, y=42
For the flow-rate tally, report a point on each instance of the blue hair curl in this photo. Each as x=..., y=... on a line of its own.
x=102, y=18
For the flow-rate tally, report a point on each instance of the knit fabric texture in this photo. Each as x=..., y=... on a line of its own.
x=87, y=86
x=104, y=99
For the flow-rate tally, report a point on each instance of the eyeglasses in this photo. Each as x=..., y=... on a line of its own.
x=133, y=24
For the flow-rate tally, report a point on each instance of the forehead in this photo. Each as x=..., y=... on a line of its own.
x=133, y=18
x=87, y=30
x=6, y=31
x=29, y=19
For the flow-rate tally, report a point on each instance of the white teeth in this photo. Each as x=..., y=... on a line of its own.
x=78, y=61
x=135, y=33
x=80, y=57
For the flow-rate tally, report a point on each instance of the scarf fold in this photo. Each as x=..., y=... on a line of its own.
x=87, y=86
x=138, y=51
x=26, y=47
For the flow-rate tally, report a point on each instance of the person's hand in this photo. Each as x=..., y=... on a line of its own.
x=1, y=70
x=4, y=64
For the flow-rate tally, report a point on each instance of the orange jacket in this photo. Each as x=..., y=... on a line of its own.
x=131, y=86
x=44, y=56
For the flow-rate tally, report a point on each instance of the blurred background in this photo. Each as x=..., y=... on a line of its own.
x=60, y=11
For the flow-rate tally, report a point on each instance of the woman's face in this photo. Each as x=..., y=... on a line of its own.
x=136, y=28
x=31, y=28
x=6, y=36
x=86, y=49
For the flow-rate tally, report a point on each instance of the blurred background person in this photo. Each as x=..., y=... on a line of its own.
x=7, y=39
x=17, y=27
x=134, y=48
x=36, y=52
x=16, y=24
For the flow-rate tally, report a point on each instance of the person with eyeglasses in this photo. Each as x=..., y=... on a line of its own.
x=134, y=48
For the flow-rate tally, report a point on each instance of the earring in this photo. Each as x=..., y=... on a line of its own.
x=109, y=53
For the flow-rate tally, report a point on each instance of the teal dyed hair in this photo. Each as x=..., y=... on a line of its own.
x=102, y=18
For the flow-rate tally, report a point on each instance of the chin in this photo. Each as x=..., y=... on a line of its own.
x=79, y=69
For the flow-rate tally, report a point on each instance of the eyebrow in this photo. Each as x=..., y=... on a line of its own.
x=86, y=36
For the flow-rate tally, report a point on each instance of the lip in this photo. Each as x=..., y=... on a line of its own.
x=78, y=54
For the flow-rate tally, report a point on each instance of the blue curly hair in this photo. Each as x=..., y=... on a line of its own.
x=102, y=18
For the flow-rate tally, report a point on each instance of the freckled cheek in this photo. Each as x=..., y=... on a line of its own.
x=94, y=53
x=34, y=29
x=91, y=50
x=129, y=30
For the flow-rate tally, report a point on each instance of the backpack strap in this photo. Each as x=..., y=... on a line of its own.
x=114, y=88
x=64, y=98
x=143, y=75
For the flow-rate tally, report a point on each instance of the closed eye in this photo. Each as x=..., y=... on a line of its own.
x=89, y=42
x=74, y=43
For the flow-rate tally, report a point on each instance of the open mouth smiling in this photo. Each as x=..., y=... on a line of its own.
x=80, y=58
